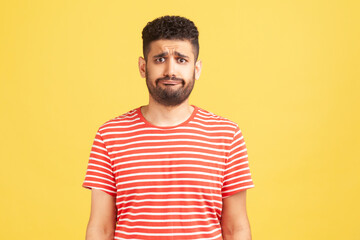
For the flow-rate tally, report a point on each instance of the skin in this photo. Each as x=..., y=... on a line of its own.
x=102, y=220
x=234, y=220
x=172, y=58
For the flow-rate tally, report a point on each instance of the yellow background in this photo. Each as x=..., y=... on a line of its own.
x=286, y=71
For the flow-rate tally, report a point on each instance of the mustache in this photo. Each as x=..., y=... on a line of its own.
x=169, y=78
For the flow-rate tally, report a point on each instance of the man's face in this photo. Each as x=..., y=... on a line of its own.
x=170, y=71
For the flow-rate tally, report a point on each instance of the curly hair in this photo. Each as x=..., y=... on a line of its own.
x=170, y=27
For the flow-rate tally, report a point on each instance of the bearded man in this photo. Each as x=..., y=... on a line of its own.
x=169, y=170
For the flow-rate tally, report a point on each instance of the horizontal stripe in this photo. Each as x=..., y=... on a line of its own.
x=167, y=173
x=98, y=166
x=190, y=153
x=96, y=171
x=169, y=180
x=98, y=147
x=117, y=122
x=237, y=146
x=168, y=213
x=123, y=126
x=167, y=186
x=170, y=160
x=207, y=131
x=240, y=176
x=238, y=153
x=212, y=126
x=165, y=135
x=168, y=140
x=167, y=234
x=167, y=166
x=100, y=154
x=193, y=207
x=238, y=164
x=100, y=162
x=169, y=193
x=167, y=147
x=149, y=129
x=170, y=227
x=210, y=120
x=233, y=172
x=168, y=200
x=169, y=220
x=208, y=238
x=106, y=179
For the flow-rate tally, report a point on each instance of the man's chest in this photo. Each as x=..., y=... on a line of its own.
x=168, y=162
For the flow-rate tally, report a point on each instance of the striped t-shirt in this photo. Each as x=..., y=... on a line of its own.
x=169, y=182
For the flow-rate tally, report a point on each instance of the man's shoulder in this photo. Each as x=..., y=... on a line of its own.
x=209, y=117
x=124, y=119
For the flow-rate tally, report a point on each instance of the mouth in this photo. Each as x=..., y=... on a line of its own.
x=171, y=82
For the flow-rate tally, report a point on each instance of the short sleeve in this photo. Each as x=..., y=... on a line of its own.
x=237, y=176
x=99, y=174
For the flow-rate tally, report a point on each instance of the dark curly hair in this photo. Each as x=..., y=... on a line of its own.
x=170, y=27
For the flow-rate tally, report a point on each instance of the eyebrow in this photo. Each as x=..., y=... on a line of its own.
x=181, y=55
x=164, y=54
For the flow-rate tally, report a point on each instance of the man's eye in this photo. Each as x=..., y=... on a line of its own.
x=182, y=60
x=160, y=60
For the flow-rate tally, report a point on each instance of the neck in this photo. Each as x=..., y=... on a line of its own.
x=166, y=116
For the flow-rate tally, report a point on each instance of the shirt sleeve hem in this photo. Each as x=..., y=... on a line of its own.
x=226, y=195
x=112, y=193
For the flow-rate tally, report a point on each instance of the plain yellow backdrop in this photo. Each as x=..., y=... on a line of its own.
x=287, y=72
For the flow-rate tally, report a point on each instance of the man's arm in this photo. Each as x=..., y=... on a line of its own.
x=102, y=221
x=234, y=221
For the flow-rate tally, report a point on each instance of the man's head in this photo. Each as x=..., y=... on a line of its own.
x=171, y=28
x=170, y=63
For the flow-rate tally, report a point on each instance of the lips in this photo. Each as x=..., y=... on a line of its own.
x=170, y=82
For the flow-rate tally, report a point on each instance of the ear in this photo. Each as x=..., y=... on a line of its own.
x=142, y=67
x=198, y=66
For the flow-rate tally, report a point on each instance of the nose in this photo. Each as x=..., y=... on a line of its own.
x=170, y=69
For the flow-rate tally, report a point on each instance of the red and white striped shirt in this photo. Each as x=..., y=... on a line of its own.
x=169, y=182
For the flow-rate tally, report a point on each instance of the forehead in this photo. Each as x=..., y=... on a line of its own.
x=170, y=46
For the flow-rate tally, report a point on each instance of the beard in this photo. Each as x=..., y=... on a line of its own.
x=168, y=96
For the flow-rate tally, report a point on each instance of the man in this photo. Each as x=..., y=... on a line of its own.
x=169, y=170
